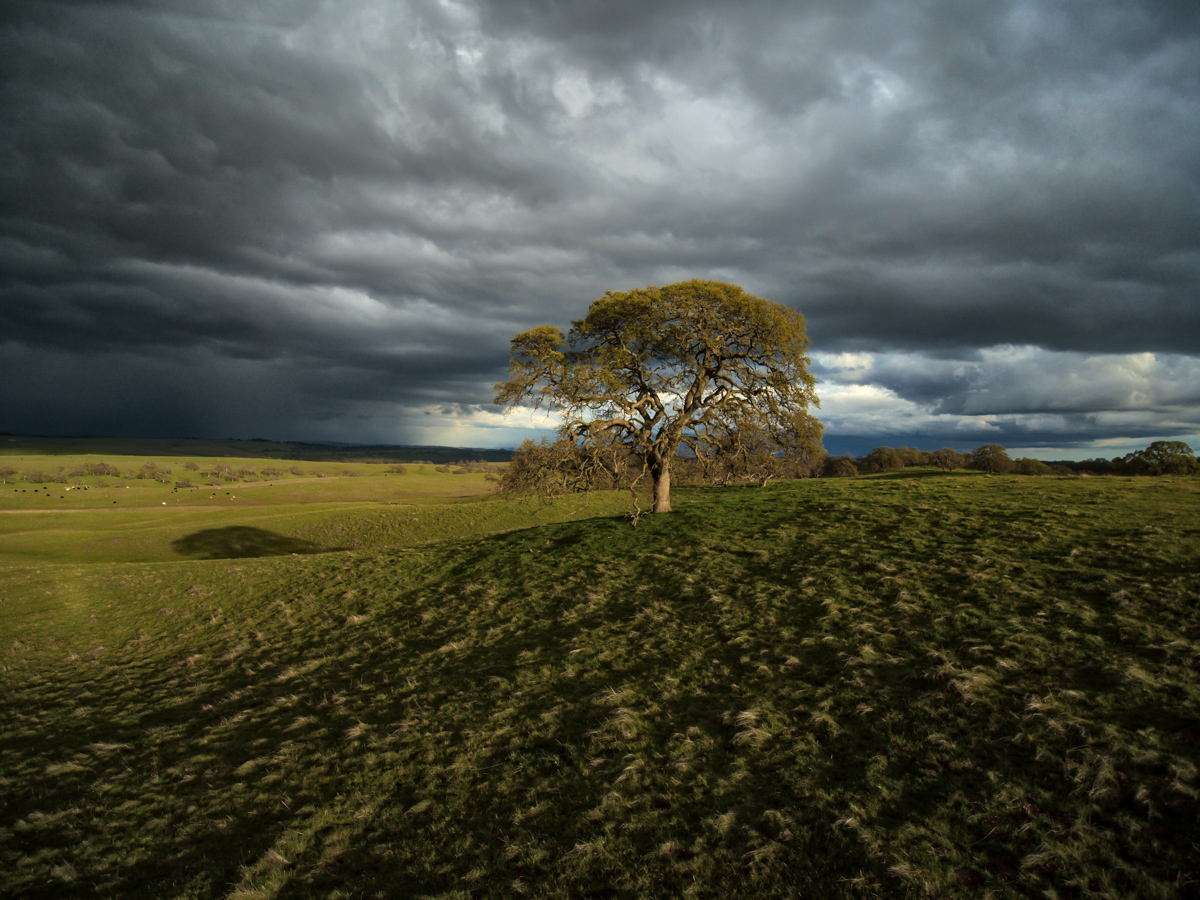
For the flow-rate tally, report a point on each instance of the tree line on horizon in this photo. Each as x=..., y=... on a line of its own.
x=562, y=466
x=1159, y=458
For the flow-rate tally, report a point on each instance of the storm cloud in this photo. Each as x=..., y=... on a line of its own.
x=326, y=221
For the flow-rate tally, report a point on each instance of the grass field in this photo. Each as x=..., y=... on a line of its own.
x=910, y=686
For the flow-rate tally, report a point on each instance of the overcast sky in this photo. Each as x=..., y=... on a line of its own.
x=325, y=221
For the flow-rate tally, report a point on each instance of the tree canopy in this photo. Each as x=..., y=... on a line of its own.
x=990, y=458
x=701, y=365
x=1160, y=458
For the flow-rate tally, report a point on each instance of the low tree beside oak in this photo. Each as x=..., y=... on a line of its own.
x=839, y=467
x=698, y=364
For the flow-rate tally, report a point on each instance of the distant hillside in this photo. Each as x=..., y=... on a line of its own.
x=255, y=448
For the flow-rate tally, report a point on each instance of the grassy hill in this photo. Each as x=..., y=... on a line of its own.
x=884, y=687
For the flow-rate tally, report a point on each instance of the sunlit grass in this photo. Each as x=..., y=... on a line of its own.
x=888, y=687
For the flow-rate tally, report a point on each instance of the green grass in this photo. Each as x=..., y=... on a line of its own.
x=351, y=506
x=882, y=687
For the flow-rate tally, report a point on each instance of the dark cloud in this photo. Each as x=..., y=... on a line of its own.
x=217, y=216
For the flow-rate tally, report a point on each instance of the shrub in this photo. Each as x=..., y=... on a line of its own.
x=839, y=467
x=1028, y=466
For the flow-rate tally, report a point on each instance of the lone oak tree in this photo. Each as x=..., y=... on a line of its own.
x=692, y=364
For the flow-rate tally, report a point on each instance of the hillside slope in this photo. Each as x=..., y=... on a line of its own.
x=871, y=687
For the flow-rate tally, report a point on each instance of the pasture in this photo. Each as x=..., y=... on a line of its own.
x=379, y=684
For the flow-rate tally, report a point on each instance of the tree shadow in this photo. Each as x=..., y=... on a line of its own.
x=241, y=542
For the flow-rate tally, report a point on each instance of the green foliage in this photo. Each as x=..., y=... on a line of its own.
x=700, y=364
x=1160, y=458
x=839, y=467
x=990, y=458
x=563, y=466
x=1027, y=466
x=948, y=459
x=881, y=459
x=96, y=519
x=839, y=687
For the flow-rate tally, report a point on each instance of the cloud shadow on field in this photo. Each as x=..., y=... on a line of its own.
x=241, y=542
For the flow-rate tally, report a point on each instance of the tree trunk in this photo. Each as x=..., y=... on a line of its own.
x=661, y=473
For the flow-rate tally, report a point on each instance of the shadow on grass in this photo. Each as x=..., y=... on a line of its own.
x=241, y=542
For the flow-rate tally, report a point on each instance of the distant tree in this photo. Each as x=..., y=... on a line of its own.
x=699, y=364
x=1160, y=458
x=882, y=459
x=990, y=458
x=911, y=456
x=7, y=474
x=839, y=467
x=152, y=471
x=1097, y=466
x=397, y=469
x=191, y=466
x=1027, y=466
x=947, y=459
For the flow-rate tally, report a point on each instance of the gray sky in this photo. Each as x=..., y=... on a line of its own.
x=325, y=221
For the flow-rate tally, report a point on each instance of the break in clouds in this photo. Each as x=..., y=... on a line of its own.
x=325, y=221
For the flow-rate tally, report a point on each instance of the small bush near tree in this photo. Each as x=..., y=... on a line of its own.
x=839, y=467
x=562, y=466
x=1028, y=466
